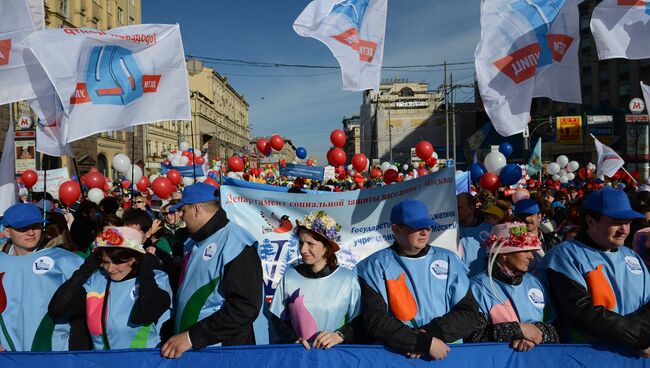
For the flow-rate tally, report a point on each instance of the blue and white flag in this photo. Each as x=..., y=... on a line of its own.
x=621, y=29
x=609, y=162
x=354, y=31
x=528, y=48
x=112, y=80
x=535, y=161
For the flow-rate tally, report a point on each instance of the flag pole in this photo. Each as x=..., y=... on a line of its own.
x=628, y=174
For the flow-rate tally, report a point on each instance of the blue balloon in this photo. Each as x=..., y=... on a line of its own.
x=75, y=177
x=506, y=149
x=301, y=153
x=476, y=170
x=510, y=174
x=190, y=150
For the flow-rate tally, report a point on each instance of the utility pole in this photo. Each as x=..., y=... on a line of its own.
x=390, y=135
x=453, y=120
x=446, y=114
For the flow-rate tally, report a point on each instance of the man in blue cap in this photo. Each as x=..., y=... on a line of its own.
x=416, y=297
x=600, y=287
x=221, y=287
x=29, y=276
x=527, y=211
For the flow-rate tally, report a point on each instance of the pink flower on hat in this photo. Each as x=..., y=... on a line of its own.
x=511, y=237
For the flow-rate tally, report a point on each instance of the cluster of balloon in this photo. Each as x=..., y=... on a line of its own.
x=424, y=150
x=495, y=171
x=185, y=156
x=336, y=156
x=563, y=170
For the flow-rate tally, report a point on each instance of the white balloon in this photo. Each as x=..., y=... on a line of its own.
x=435, y=155
x=201, y=179
x=153, y=177
x=184, y=146
x=137, y=173
x=393, y=167
x=494, y=162
x=407, y=177
x=187, y=181
x=556, y=177
x=121, y=163
x=232, y=174
x=197, y=152
x=23, y=192
x=294, y=162
x=96, y=195
x=177, y=162
x=349, y=167
x=571, y=176
x=184, y=160
x=572, y=166
x=405, y=167
x=562, y=160
x=385, y=165
x=553, y=169
x=170, y=156
x=564, y=179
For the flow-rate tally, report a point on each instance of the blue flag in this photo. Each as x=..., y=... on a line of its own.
x=535, y=161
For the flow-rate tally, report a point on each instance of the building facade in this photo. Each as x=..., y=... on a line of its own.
x=352, y=129
x=395, y=118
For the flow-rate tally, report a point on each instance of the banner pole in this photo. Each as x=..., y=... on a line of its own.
x=133, y=163
x=76, y=169
x=628, y=174
x=193, y=153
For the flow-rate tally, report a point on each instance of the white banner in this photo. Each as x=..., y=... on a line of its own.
x=354, y=31
x=21, y=76
x=621, y=29
x=111, y=80
x=608, y=160
x=363, y=216
x=8, y=189
x=527, y=49
x=54, y=177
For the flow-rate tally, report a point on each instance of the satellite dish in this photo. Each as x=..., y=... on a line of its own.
x=194, y=66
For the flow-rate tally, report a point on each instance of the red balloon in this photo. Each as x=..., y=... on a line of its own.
x=358, y=179
x=211, y=182
x=277, y=142
x=162, y=187
x=283, y=163
x=310, y=162
x=431, y=161
x=375, y=173
x=69, y=192
x=263, y=145
x=337, y=137
x=422, y=171
x=174, y=177
x=166, y=163
x=29, y=178
x=337, y=157
x=359, y=162
x=490, y=181
x=94, y=179
x=143, y=184
x=424, y=150
x=200, y=160
x=235, y=163
x=585, y=173
x=126, y=184
x=93, y=169
x=390, y=176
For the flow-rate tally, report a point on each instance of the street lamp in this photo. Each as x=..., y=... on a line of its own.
x=527, y=140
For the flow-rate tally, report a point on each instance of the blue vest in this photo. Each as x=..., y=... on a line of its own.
x=313, y=305
x=436, y=281
x=121, y=298
x=479, y=232
x=27, y=284
x=473, y=255
x=624, y=270
x=530, y=300
x=198, y=295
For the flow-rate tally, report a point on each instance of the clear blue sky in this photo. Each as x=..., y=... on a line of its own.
x=305, y=105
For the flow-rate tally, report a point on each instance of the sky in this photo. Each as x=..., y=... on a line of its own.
x=304, y=104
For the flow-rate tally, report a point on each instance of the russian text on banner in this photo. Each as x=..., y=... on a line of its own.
x=527, y=49
x=354, y=31
x=111, y=80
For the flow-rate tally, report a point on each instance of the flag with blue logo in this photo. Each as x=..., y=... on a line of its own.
x=620, y=29
x=354, y=31
x=535, y=161
x=609, y=162
x=112, y=80
x=528, y=48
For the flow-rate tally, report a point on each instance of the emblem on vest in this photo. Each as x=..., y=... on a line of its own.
x=42, y=265
x=134, y=293
x=633, y=265
x=536, y=297
x=209, y=251
x=439, y=269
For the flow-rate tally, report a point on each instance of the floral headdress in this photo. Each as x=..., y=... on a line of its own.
x=120, y=237
x=511, y=237
x=321, y=223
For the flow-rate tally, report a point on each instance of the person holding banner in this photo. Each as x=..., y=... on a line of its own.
x=317, y=302
x=221, y=288
x=416, y=297
x=515, y=302
x=600, y=287
x=29, y=276
x=125, y=301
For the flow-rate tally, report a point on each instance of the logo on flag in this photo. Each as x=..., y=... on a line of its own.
x=113, y=77
x=354, y=10
x=5, y=49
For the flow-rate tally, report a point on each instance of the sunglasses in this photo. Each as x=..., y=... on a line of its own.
x=168, y=213
x=139, y=202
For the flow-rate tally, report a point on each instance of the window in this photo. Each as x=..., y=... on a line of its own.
x=63, y=7
x=131, y=21
x=120, y=15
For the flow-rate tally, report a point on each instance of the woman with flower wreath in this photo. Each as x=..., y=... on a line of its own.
x=514, y=301
x=124, y=299
x=317, y=302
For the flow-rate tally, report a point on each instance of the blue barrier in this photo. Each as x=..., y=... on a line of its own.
x=461, y=356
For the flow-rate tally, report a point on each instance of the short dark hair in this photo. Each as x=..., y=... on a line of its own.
x=109, y=205
x=136, y=216
x=591, y=213
x=121, y=255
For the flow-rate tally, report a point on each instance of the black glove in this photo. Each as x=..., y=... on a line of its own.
x=91, y=264
x=149, y=263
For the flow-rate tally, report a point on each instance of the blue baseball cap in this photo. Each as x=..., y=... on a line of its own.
x=411, y=213
x=196, y=193
x=21, y=215
x=611, y=202
x=526, y=207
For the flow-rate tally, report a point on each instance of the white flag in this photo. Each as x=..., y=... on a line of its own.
x=528, y=48
x=111, y=80
x=8, y=190
x=608, y=160
x=354, y=31
x=49, y=139
x=621, y=29
x=646, y=93
x=21, y=76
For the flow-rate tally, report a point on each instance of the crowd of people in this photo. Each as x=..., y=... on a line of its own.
x=555, y=265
